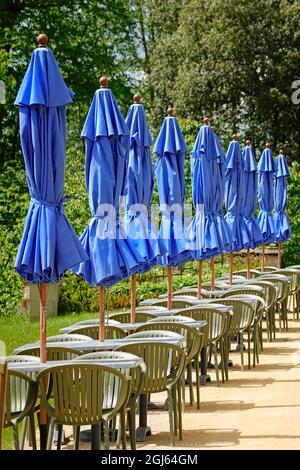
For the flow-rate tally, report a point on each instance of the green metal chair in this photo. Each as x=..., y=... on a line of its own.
x=124, y=317
x=294, y=289
x=283, y=290
x=165, y=365
x=111, y=332
x=255, y=328
x=54, y=353
x=20, y=401
x=193, y=341
x=270, y=300
x=245, y=312
x=175, y=303
x=137, y=373
x=212, y=333
x=243, y=272
x=85, y=394
x=3, y=382
x=67, y=337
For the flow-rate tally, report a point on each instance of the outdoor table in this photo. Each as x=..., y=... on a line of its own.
x=35, y=367
x=96, y=345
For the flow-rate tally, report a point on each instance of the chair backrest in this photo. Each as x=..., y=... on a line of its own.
x=136, y=372
x=165, y=364
x=243, y=272
x=150, y=308
x=95, y=321
x=259, y=303
x=244, y=310
x=3, y=382
x=192, y=292
x=270, y=292
x=193, y=339
x=234, y=325
x=172, y=318
x=295, y=283
x=21, y=396
x=53, y=353
x=283, y=286
x=216, y=322
x=67, y=337
x=154, y=334
x=175, y=303
x=111, y=332
x=124, y=317
x=268, y=269
x=82, y=391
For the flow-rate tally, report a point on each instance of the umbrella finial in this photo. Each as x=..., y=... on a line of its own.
x=248, y=142
x=137, y=98
x=170, y=111
x=42, y=40
x=268, y=145
x=234, y=137
x=103, y=81
x=206, y=120
x=281, y=152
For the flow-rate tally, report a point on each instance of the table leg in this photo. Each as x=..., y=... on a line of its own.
x=143, y=430
x=204, y=377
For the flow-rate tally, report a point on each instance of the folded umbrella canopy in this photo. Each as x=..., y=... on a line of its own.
x=49, y=245
x=208, y=183
x=281, y=221
x=170, y=148
x=266, y=168
x=250, y=169
x=235, y=200
x=138, y=189
x=111, y=256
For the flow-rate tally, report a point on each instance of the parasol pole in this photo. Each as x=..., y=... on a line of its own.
x=101, y=313
x=279, y=255
x=248, y=263
x=230, y=268
x=213, y=273
x=199, y=289
x=170, y=287
x=133, y=298
x=263, y=258
x=43, y=359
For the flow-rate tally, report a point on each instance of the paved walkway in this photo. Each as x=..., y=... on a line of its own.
x=256, y=409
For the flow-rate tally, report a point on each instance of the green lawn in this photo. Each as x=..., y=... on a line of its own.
x=18, y=330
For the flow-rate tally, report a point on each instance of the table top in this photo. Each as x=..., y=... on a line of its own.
x=30, y=367
x=107, y=345
x=133, y=326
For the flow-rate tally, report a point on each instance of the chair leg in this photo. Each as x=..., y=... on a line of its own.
x=249, y=349
x=105, y=435
x=16, y=436
x=190, y=381
x=179, y=408
x=50, y=434
x=24, y=431
x=132, y=425
x=171, y=417
x=242, y=350
x=123, y=427
x=214, y=348
x=197, y=369
x=174, y=411
x=59, y=429
x=32, y=431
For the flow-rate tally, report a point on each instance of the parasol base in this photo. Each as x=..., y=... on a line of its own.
x=204, y=379
x=142, y=432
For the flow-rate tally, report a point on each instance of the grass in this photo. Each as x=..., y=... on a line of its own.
x=18, y=330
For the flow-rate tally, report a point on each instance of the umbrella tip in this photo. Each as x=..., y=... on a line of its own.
x=281, y=152
x=137, y=98
x=42, y=40
x=206, y=120
x=248, y=142
x=234, y=137
x=170, y=111
x=268, y=145
x=103, y=82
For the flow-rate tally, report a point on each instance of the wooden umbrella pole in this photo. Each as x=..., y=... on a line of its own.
x=230, y=268
x=43, y=358
x=170, y=288
x=263, y=258
x=213, y=273
x=133, y=298
x=248, y=264
x=279, y=255
x=101, y=313
x=199, y=290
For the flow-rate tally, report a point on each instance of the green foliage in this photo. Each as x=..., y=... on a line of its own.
x=291, y=249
